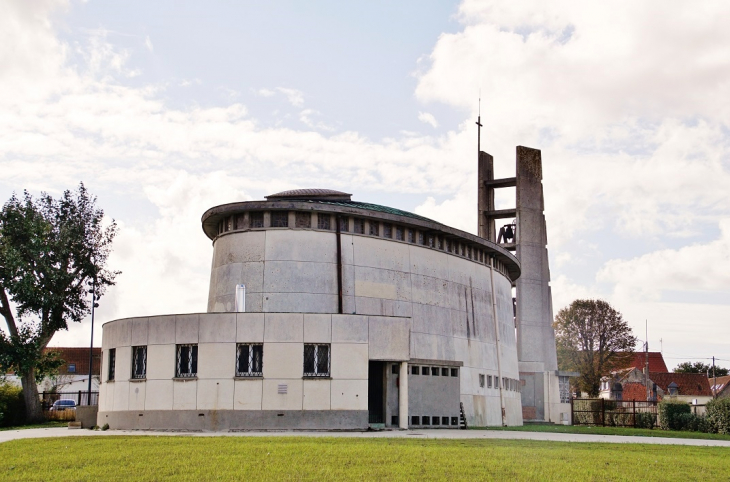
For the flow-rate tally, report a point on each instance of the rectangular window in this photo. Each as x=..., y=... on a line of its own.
x=411, y=236
x=434, y=420
x=481, y=380
x=279, y=219
x=420, y=238
x=431, y=241
x=250, y=360
x=303, y=220
x=316, y=361
x=564, y=388
x=444, y=420
x=425, y=371
x=344, y=224
x=395, y=369
x=504, y=383
x=323, y=221
x=187, y=361
x=440, y=242
x=454, y=420
x=468, y=251
x=387, y=230
x=415, y=370
x=489, y=381
x=71, y=368
x=374, y=228
x=425, y=421
x=359, y=227
x=415, y=420
x=444, y=372
x=434, y=371
x=399, y=234
x=240, y=221
x=112, y=362
x=394, y=420
x=463, y=250
x=139, y=362
x=454, y=372
x=229, y=221
x=256, y=219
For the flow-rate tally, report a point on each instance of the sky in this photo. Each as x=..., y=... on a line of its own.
x=164, y=109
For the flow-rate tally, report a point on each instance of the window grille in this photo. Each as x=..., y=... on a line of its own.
x=344, y=224
x=316, y=361
x=323, y=221
x=564, y=387
x=359, y=227
x=387, y=230
x=430, y=241
x=374, y=228
x=399, y=234
x=256, y=219
x=187, y=361
x=302, y=220
x=279, y=219
x=420, y=238
x=411, y=236
x=250, y=360
x=440, y=242
x=139, y=362
x=112, y=362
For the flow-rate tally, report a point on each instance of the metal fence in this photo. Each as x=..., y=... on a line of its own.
x=81, y=397
x=611, y=413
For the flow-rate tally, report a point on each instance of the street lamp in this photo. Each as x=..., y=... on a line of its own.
x=91, y=347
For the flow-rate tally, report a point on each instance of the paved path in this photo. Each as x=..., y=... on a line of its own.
x=413, y=434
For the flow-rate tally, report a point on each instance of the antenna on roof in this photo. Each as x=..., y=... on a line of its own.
x=479, y=124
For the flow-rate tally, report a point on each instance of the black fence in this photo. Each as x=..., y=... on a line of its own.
x=81, y=397
x=609, y=413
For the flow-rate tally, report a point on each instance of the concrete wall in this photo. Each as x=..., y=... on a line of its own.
x=339, y=401
x=449, y=298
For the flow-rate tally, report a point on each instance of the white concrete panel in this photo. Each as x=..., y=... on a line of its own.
x=380, y=253
x=216, y=360
x=285, y=245
x=348, y=248
x=349, y=361
x=215, y=394
x=160, y=362
x=349, y=395
x=227, y=277
x=389, y=338
x=283, y=327
x=317, y=328
x=123, y=364
x=300, y=302
x=123, y=332
x=283, y=360
x=252, y=275
x=121, y=395
x=217, y=327
x=273, y=400
x=226, y=303
x=461, y=270
x=158, y=395
x=316, y=394
x=137, y=391
x=430, y=291
x=300, y=277
x=184, y=394
x=161, y=330
x=187, y=328
x=382, y=283
x=249, y=327
x=247, y=394
x=432, y=347
x=140, y=331
x=429, y=262
x=239, y=248
x=349, y=329
x=382, y=307
x=106, y=397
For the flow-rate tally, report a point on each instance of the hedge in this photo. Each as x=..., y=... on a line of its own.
x=12, y=405
x=718, y=415
x=669, y=411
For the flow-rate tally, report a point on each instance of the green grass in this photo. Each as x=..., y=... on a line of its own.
x=330, y=458
x=632, y=432
x=51, y=424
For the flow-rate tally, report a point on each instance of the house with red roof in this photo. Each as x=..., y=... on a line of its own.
x=720, y=386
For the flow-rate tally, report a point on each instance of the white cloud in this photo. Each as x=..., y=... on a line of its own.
x=294, y=96
x=427, y=118
x=148, y=44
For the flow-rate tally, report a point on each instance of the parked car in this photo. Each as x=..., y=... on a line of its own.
x=63, y=405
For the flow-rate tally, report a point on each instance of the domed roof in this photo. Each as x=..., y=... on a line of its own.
x=313, y=194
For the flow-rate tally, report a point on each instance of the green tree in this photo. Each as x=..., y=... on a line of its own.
x=592, y=338
x=699, y=367
x=50, y=252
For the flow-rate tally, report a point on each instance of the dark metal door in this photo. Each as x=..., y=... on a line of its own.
x=376, y=392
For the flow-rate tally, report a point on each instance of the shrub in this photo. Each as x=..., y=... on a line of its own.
x=645, y=420
x=718, y=415
x=12, y=405
x=669, y=410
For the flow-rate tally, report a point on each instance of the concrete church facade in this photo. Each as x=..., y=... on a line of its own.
x=328, y=313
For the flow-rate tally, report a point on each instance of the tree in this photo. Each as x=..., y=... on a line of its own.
x=699, y=367
x=592, y=338
x=50, y=252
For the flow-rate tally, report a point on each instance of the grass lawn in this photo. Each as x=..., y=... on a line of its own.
x=276, y=458
x=635, y=432
x=51, y=424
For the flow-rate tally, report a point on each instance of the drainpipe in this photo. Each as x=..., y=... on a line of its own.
x=339, y=265
x=499, y=350
x=240, y=298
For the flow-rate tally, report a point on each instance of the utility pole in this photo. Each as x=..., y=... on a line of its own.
x=91, y=347
x=646, y=364
x=714, y=375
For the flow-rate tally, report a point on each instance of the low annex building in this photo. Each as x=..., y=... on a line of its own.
x=330, y=313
